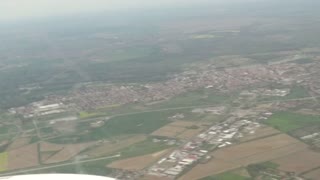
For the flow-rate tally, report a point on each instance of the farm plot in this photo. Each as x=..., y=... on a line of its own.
x=50, y=147
x=315, y=174
x=174, y=129
x=150, y=177
x=288, y=121
x=243, y=154
x=19, y=142
x=182, y=123
x=190, y=133
x=3, y=161
x=299, y=162
x=168, y=131
x=23, y=157
x=68, y=152
x=263, y=131
x=110, y=147
x=213, y=167
x=138, y=163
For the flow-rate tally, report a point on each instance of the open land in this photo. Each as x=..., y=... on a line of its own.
x=137, y=163
x=315, y=174
x=261, y=132
x=236, y=156
x=110, y=147
x=68, y=152
x=23, y=157
x=19, y=142
x=299, y=162
x=131, y=90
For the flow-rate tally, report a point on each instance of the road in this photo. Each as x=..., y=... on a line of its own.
x=27, y=171
x=133, y=113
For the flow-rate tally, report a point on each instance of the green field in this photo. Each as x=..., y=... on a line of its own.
x=297, y=92
x=255, y=169
x=142, y=123
x=226, y=176
x=288, y=121
x=196, y=98
x=143, y=148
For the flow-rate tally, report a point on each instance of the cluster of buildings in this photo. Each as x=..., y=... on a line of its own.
x=198, y=149
x=201, y=76
x=197, y=77
x=40, y=108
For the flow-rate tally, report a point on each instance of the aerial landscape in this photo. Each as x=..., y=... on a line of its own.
x=204, y=90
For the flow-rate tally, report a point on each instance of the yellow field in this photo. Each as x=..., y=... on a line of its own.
x=3, y=161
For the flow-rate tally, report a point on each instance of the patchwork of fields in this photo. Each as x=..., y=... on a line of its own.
x=241, y=155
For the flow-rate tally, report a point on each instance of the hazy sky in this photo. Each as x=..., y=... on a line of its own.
x=27, y=9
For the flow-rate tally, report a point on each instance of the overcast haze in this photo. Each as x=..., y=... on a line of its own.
x=11, y=10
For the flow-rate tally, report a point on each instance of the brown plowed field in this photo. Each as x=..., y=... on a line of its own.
x=299, y=162
x=190, y=133
x=19, y=142
x=260, y=133
x=314, y=175
x=174, y=129
x=182, y=123
x=215, y=166
x=23, y=157
x=138, y=163
x=68, y=152
x=169, y=131
x=50, y=147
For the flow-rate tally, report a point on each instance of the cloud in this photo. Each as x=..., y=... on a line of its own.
x=24, y=9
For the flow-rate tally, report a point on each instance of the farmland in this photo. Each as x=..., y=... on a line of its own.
x=23, y=157
x=115, y=145
x=260, y=133
x=173, y=129
x=19, y=142
x=226, y=91
x=195, y=98
x=226, y=176
x=139, y=162
x=68, y=152
x=288, y=121
x=313, y=174
x=3, y=161
x=299, y=162
x=236, y=156
x=144, y=147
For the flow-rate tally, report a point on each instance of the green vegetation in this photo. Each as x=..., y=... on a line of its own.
x=304, y=61
x=143, y=148
x=4, y=129
x=142, y=123
x=196, y=98
x=255, y=169
x=87, y=115
x=297, y=92
x=226, y=176
x=288, y=121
